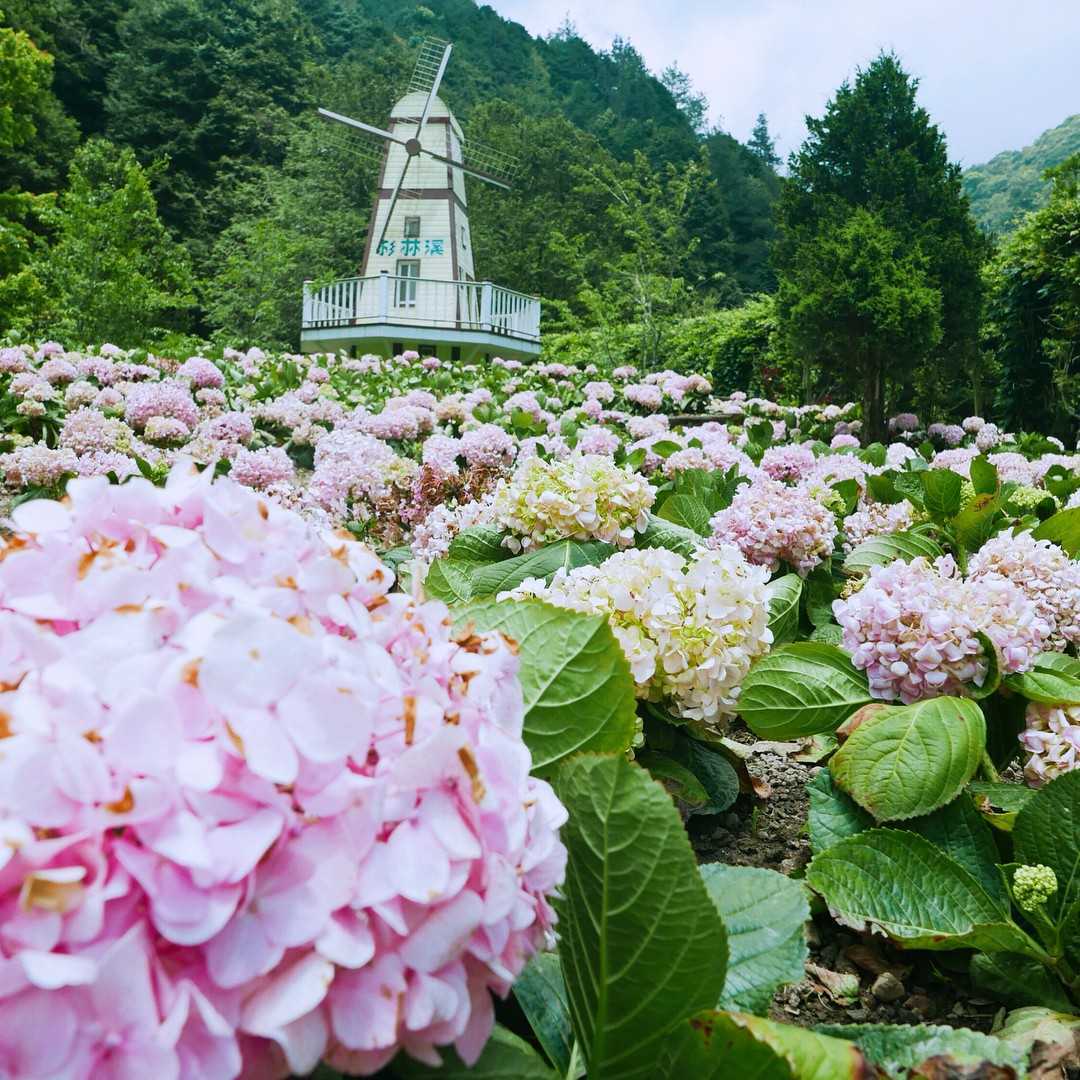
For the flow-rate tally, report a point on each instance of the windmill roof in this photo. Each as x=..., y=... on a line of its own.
x=413, y=105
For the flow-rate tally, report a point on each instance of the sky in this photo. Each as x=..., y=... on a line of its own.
x=994, y=74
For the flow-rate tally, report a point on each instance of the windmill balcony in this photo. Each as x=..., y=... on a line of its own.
x=456, y=319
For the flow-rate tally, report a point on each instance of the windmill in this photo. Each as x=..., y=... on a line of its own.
x=431, y=138
x=417, y=287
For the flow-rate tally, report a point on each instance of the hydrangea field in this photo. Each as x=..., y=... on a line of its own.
x=354, y=715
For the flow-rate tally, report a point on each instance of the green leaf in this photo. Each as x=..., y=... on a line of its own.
x=1054, y=679
x=1058, y=1031
x=450, y=580
x=1064, y=529
x=784, y=594
x=896, y=1048
x=688, y=512
x=716, y=774
x=810, y=1055
x=882, y=550
x=1017, y=980
x=830, y=634
x=834, y=815
x=642, y=947
x=506, y=1057
x=942, y=492
x=904, y=761
x=848, y=490
x=675, y=776
x=541, y=993
x=999, y=803
x=765, y=914
x=1047, y=831
x=500, y=577
x=801, y=689
x=716, y=1046
x=820, y=591
x=978, y=521
x=578, y=690
x=664, y=448
x=1005, y=721
x=875, y=454
x=992, y=678
x=899, y=882
x=665, y=534
x=480, y=544
x=961, y=832
x=984, y=476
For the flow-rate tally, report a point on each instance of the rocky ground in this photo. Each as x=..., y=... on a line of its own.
x=850, y=978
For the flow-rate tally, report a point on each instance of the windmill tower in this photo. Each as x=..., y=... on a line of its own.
x=417, y=286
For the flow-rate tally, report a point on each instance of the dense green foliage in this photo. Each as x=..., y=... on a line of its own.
x=1012, y=183
x=216, y=99
x=876, y=150
x=1034, y=310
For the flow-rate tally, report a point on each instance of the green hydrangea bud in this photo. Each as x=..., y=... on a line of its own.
x=967, y=493
x=1025, y=499
x=1033, y=886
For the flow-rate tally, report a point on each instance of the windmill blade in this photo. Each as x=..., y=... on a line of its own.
x=478, y=173
x=434, y=88
x=495, y=164
x=429, y=61
x=393, y=203
x=361, y=126
x=365, y=148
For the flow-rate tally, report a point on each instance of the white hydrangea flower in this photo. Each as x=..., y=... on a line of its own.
x=582, y=497
x=1052, y=739
x=690, y=629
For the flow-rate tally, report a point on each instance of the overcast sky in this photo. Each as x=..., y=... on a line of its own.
x=994, y=74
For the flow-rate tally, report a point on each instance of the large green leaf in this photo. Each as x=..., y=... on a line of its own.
x=1018, y=980
x=900, y=882
x=506, y=1057
x=665, y=534
x=834, y=815
x=1054, y=679
x=1023, y=1028
x=642, y=947
x=450, y=580
x=765, y=914
x=479, y=544
x=686, y=511
x=896, y=1048
x=810, y=1055
x=541, y=993
x=1047, y=831
x=578, y=690
x=984, y=476
x=941, y=492
x=907, y=760
x=784, y=594
x=493, y=578
x=801, y=689
x=715, y=1046
x=882, y=550
x=1064, y=529
x=962, y=833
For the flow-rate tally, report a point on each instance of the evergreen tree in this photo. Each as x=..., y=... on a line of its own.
x=860, y=299
x=113, y=273
x=762, y=145
x=876, y=149
x=1034, y=312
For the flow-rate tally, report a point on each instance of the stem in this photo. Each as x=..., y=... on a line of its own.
x=987, y=770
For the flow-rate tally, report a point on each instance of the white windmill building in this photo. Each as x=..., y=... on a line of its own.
x=417, y=288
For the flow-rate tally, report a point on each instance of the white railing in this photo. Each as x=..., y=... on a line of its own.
x=406, y=301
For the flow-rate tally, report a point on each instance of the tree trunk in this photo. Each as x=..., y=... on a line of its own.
x=873, y=404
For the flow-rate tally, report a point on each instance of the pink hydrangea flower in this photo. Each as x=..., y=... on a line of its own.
x=913, y=628
x=769, y=523
x=256, y=811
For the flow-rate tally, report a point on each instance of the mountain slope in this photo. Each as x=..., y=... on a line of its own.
x=1011, y=184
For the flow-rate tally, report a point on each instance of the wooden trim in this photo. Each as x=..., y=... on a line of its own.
x=424, y=193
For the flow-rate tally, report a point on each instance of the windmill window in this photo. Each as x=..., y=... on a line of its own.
x=464, y=239
x=412, y=227
x=408, y=270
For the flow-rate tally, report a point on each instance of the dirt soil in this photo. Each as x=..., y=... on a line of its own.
x=894, y=987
